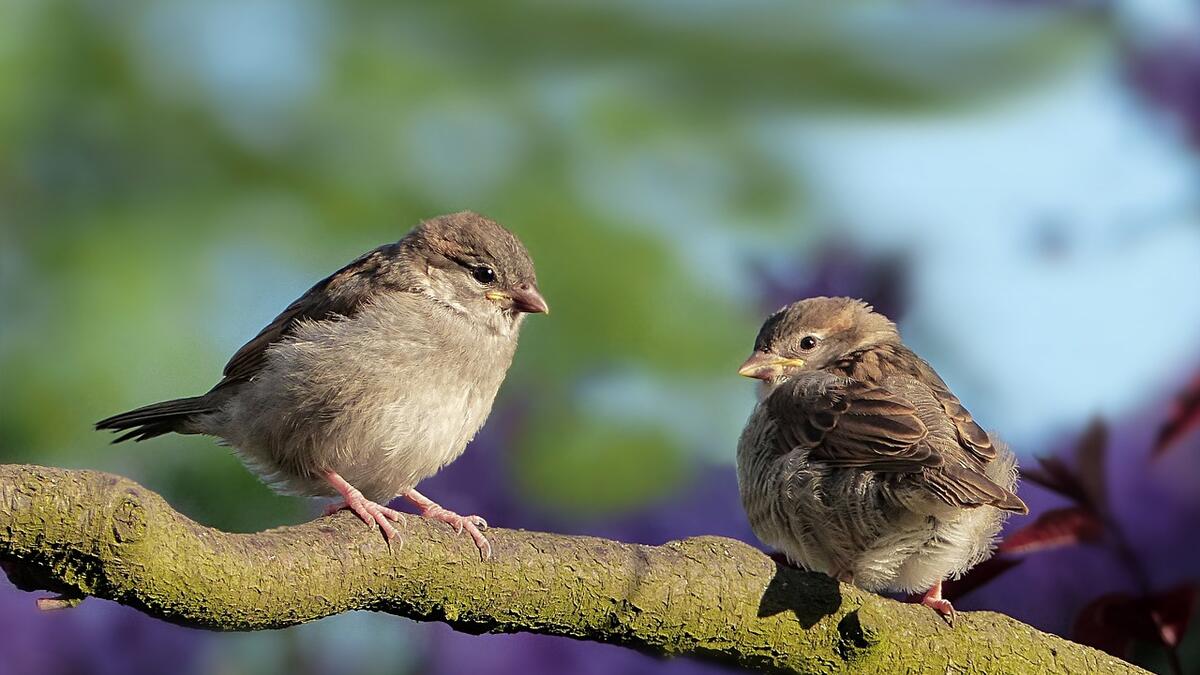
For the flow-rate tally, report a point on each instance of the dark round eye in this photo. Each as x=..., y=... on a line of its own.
x=808, y=343
x=483, y=274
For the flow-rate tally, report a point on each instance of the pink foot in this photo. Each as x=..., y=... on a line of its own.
x=370, y=512
x=471, y=524
x=933, y=599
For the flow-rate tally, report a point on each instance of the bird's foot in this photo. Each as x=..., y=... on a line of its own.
x=469, y=524
x=370, y=512
x=933, y=599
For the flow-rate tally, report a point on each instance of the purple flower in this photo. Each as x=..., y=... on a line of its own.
x=97, y=637
x=1156, y=505
x=709, y=505
x=839, y=269
x=1169, y=75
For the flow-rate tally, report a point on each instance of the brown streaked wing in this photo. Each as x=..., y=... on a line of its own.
x=340, y=294
x=855, y=425
x=852, y=424
x=971, y=436
x=968, y=488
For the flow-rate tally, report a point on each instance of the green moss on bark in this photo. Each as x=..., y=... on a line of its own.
x=80, y=533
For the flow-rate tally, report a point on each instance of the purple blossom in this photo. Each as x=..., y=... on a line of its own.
x=479, y=482
x=1155, y=503
x=97, y=637
x=839, y=269
x=1169, y=75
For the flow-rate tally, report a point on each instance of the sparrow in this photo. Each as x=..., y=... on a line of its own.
x=859, y=462
x=375, y=378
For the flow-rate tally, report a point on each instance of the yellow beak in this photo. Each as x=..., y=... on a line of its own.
x=526, y=299
x=766, y=367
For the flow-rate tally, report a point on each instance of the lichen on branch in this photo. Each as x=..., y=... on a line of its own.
x=83, y=533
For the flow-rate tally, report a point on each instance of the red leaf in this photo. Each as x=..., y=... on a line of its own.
x=1185, y=416
x=1171, y=611
x=1089, y=454
x=1111, y=622
x=1086, y=486
x=1054, y=529
x=1054, y=475
x=979, y=575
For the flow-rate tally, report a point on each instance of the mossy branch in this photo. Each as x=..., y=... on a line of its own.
x=83, y=533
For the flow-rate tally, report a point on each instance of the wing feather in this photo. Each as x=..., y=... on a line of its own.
x=851, y=424
x=342, y=293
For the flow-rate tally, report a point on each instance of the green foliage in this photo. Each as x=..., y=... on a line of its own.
x=174, y=173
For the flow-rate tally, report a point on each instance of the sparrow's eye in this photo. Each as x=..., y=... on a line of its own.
x=808, y=343
x=483, y=274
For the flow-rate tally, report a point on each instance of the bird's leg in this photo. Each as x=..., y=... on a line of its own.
x=472, y=524
x=370, y=512
x=934, y=600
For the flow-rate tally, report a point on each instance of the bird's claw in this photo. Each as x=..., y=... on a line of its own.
x=934, y=600
x=370, y=512
x=373, y=514
x=472, y=525
x=942, y=607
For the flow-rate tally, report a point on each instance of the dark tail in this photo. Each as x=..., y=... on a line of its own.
x=157, y=419
x=1012, y=503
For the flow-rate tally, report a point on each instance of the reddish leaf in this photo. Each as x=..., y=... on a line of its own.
x=1054, y=475
x=979, y=575
x=1171, y=611
x=1185, y=416
x=1087, y=486
x=1111, y=622
x=1090, y=453
x=1054, y=529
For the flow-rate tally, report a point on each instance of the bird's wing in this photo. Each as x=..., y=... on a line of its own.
x=342, y=293
x=849, y=423
x=971, y=436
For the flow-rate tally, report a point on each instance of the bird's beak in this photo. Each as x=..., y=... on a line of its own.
x=525, y=299
x=766, y=366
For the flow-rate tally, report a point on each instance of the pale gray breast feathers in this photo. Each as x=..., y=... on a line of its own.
x=385, y=398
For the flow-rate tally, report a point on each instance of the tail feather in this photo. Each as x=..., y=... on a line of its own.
x=1003, y=472
x=1012, y=503
x=156, y=419
x=968, y=488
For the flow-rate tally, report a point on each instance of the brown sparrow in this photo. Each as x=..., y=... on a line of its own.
x=375, y=378
x=860, y=463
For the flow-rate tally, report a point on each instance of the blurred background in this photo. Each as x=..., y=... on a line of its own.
x=1015, y=182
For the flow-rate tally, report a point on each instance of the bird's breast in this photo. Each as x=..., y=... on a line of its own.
x=385, y=398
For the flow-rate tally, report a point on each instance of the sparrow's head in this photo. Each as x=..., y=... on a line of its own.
x=814, y=334
x=473, y=265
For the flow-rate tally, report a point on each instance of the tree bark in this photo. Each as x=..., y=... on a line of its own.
x=83, y=533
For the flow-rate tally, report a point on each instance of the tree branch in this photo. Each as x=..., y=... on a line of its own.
x=82, y=533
